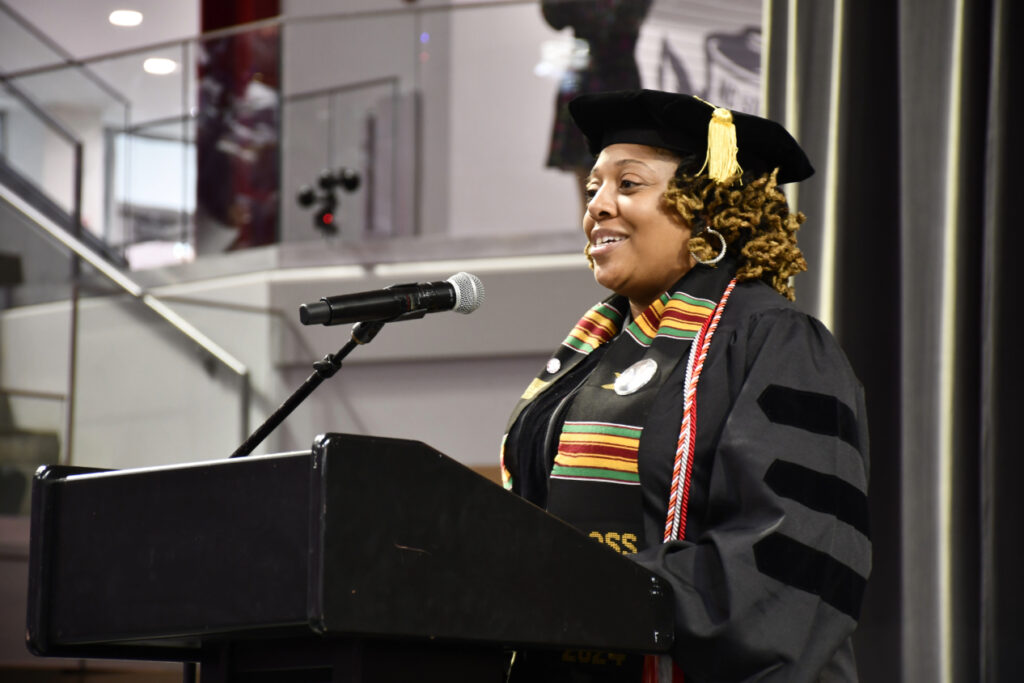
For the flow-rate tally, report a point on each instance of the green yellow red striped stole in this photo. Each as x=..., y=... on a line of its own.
x=598, y=451
x=678, y=316
x=598, y=325
x=675, y=315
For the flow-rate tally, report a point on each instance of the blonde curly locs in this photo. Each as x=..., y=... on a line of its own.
x=753, y=217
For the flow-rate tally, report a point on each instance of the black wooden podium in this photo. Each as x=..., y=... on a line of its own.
x=366, y=559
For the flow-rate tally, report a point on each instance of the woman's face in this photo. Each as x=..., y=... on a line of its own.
x=638, y=244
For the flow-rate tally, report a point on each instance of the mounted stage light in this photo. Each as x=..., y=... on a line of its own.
x=325, y=217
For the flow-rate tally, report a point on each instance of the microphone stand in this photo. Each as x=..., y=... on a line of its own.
x=362, y=333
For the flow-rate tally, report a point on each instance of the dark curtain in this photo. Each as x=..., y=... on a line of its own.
x=906, y=108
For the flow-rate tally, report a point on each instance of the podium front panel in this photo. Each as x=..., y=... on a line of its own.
x=363, y=537
x=418, y=544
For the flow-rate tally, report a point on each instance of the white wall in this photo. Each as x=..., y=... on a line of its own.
x=502, y=113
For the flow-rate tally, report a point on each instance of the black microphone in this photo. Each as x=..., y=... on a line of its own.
x=462, y=293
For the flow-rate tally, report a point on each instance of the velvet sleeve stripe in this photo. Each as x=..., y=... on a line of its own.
x=808, y=569
x=810, y=411
x=821, y=492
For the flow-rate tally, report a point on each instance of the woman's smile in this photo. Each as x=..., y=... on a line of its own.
x=603, y=241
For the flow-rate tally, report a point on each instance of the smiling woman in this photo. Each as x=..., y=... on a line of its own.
x=753, y=508
x=637, y=245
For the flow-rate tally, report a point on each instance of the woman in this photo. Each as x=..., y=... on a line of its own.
x=696, y=419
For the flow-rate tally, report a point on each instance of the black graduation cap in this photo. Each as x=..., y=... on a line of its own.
x=689, y=125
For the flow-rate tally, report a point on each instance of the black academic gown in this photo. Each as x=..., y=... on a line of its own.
x=768, y=578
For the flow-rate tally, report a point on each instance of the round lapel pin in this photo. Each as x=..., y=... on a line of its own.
x=635, y=376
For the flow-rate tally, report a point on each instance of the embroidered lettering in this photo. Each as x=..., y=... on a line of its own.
x=624, y=544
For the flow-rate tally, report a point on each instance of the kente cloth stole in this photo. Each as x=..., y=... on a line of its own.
x=594, y=483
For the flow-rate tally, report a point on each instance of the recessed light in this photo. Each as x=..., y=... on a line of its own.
x=125, y=17
x=160, y=66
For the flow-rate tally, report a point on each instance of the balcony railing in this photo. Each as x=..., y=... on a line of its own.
x=443, y=112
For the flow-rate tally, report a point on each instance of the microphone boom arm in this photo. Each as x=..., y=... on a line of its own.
x=362, y=333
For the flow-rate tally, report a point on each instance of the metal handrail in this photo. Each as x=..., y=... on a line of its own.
x=139, y=293
x=123, y=281
x=32, y=393
x=137, y=128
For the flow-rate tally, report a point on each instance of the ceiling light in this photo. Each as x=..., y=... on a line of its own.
x=160, y=66
x=125, y=17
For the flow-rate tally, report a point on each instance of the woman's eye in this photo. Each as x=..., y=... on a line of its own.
x=590, y=193
x=627, y=184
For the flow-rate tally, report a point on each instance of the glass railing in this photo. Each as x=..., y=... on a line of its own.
x=102, y=343
x=42, y=157
x=32, y=424
x=432, y=126
x=66, y=298
x=444, y=112
x=34, y=378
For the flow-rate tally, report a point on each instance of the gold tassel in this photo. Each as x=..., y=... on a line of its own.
x=721, y=159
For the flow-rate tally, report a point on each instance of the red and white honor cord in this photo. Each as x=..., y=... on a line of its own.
x=679, y=493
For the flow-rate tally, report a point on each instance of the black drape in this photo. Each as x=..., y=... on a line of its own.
x=907, y=110
x=1002, y=364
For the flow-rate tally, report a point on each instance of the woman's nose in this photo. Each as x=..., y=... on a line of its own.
x=601, y=205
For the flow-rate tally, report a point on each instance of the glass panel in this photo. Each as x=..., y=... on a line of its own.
x=139, y=379
x=158, y=84
x=83, y=106
x=445, y=112
x=149, y=172
x=350, y=104
x=153, y=197
x=36, y=155
x=34, y=361
x=35, y=268
x=31, y=434
x=339, y=164
x=20, y=48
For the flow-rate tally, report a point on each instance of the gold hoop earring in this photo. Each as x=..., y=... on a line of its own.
x=721, y=253
x=590, y=259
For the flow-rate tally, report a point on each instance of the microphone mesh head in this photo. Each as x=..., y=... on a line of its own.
x=469, y=292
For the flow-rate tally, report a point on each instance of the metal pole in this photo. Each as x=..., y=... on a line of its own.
x=76, y=270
